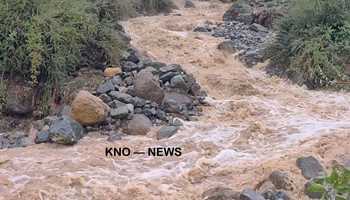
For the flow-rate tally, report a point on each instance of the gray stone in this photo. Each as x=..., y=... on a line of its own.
x=66, y=131
x=179, y=83
x=129, y=66
x=138, y=102
x=116, y=104
x=167, y=132
x=275, y=195
x=42, y=137
x=120, y=112
x=147, y=87
x=117, y=80
x=139, y=125
x=105, y=87
x=123, y=97
x=14, y=139
x=310, y=167
x=105, y=98
x=130, y=108
x=167, y=76
x=249, y=194
x=176, y=102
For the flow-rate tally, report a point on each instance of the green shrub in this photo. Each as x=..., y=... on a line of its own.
x=314, y=41
x=335, y=186
x=44, y=41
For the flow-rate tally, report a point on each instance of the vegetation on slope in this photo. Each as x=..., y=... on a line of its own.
x=44, y=41
x=313, y=41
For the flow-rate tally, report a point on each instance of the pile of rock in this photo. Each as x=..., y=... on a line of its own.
x=131, y=99
x=250, y=40
x=247, y=25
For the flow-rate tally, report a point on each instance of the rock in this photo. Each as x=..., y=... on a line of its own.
x=88, y=109
x=105, y=98
x=66, y=131
x=42, y=137
x=116, y=104
x=105, y=87
x=14, y=139
x=112, y=71
x=176, y=102
x=147, y=87
x=281, y=180
x=120, y=113
x=130, y=108
x=132, y=56
x=129, y=66
x=227, y=46
x=167, y=76
x=220, y=193
x=189, y=4
x=272, y=195
x=179, y=82
x=117, y=80
x=310, y=167
x=138, y=102
x=123, y=97
x=167, y=132
x=249, y=194
x=19, y=101
x=139, y=125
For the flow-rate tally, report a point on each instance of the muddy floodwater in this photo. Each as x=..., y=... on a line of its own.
x=255, y=124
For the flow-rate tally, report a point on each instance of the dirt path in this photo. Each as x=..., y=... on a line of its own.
x=256, y=124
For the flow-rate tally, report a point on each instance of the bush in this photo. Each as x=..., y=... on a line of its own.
x=44, y=41
x=314, y=41
x=335, y=186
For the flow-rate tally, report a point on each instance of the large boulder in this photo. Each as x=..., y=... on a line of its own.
x=88, y=109
x=139, y=125
x=147, y=87
x=65, y=131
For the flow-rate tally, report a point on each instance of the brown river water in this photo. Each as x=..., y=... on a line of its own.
x=255, y=124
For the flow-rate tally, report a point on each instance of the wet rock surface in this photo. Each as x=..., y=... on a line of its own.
x=310, y=167
x=65, y=131
x=249, y=40
x=248, y=24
